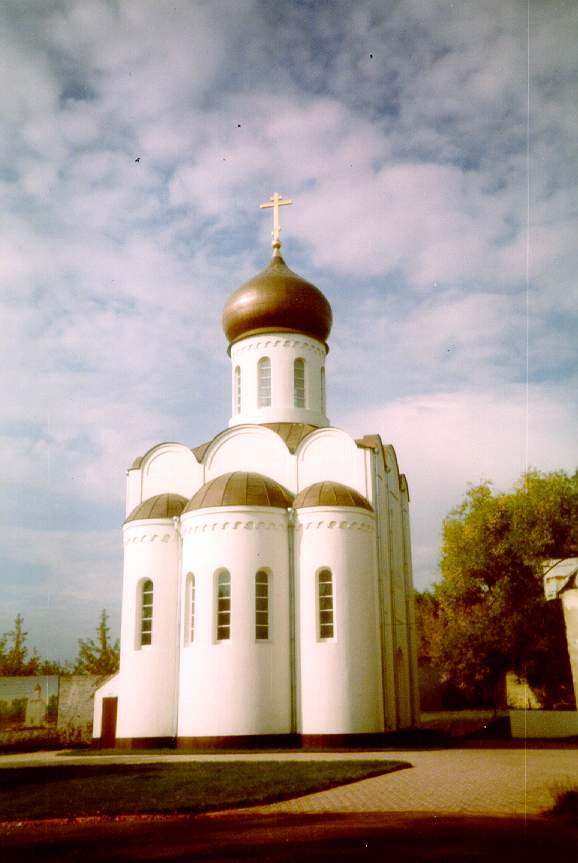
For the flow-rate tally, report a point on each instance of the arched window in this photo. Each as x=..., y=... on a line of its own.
x=322, y=389
x=190, y=622
x=223, y=605
x=299, y=383
x=237, y=390
x=262, y=605
x=264, y=382
x=325, y=603
x=146, y=613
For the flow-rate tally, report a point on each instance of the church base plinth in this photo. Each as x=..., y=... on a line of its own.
x=235, y=742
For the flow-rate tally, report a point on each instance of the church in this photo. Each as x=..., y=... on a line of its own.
x=267, y=587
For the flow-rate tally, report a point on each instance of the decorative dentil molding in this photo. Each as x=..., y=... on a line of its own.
x=268, y=343
x=237, y=524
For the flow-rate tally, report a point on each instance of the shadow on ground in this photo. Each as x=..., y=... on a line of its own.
x=399, y=837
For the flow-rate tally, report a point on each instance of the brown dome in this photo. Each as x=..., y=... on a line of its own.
x=240, y=489
x=159, y=506
x=330, y=494
x=277, y=299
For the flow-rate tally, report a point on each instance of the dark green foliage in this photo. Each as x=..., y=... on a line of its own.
x=14, y=658
x=100, y=657
x=12, y=712
x=566, y=804
x=488, y=614
x=52, y=709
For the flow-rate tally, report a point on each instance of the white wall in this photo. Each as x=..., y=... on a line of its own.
x=250, y=448
x=569, y=600
x=331, y=454
x=168, y=467
x=146, y=686
x=282, y=349
x=239, y=686
x=341, y=685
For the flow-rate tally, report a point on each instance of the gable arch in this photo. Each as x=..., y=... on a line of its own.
x=330, y=454
x=250, y=448
x=168, y=467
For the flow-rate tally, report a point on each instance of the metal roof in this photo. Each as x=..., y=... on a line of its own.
x=277, y=300
x=240, y=489
x=159, y=506
x=330, y=493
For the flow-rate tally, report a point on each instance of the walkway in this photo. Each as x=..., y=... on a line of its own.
x=473, y=782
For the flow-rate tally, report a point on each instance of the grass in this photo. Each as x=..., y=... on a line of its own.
x=72, y=791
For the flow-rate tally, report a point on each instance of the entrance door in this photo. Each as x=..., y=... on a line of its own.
x=108, y=729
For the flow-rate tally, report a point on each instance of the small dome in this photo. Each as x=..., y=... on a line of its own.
x=159, y=506
x=277, y=299
x=240, y=489
x=330, y=494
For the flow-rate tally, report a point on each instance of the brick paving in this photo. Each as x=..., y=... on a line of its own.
x=466, y=782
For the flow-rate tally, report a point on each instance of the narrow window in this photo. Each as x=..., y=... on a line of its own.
x=325, y=592
x=322, y=390
x=191, y=607
x=146, y=617
x=223, y=606
x=299, y=383
x=262, y=605
x=237, y=390
x=264, y=382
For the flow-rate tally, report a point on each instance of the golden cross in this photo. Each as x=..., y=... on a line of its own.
x=276, y=201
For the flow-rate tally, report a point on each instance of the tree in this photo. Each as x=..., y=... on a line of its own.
x=492, y=615
x=100, y=657
x=14, y=652
x=428, y=625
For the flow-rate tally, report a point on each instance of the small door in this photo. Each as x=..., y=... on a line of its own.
x=108, y=730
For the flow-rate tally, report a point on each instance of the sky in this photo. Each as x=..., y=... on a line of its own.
x=430, y=150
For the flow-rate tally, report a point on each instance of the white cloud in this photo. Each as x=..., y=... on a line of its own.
x=448, y=440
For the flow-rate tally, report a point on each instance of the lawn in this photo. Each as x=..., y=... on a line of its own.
x=71, y=791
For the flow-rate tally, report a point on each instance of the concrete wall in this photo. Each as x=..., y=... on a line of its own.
x=543, y=723
x=570, y=606
x=76, y=706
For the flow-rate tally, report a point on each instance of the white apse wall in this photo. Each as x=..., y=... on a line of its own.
x=241, y=685
x=147, y=682
x=341, y=680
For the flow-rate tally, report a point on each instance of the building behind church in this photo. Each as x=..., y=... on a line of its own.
x=267, y=591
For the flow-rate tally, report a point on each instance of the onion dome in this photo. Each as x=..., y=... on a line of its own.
x=277, y=300
x=330, y=494
x=240, y=489
x=159, y=506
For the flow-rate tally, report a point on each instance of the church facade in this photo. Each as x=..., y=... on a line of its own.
x=267, y=591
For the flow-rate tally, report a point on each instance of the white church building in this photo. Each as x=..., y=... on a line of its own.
x=267, y=589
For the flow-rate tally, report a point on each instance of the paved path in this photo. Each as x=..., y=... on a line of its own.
x=459, y=781
x=473, y=782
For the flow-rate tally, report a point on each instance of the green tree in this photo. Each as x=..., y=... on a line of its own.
x=492, y=615
x=14, y=659
x=100, y=656
x=428, y=625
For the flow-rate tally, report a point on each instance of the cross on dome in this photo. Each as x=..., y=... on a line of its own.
x=276, y=201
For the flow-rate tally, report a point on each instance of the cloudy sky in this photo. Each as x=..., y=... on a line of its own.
x=430, y=149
